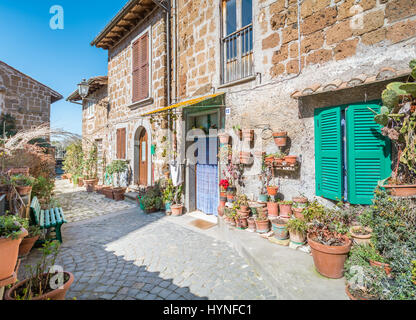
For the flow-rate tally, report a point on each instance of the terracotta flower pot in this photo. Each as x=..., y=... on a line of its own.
x=273, y=209
x=269, y=160
x=285, y=210
x=280, y=229
x=224, y=138
x=108, y=192
x=280, y=139
x=58, y=294
x=272, y=191
x=24, y=190
x=26, y=246
x=248, y=134
x=242, y=223
x=361, y=239
x=118, y=194
x=291, y=160
x=329, y=260
x=300, y=200
x=385, y=266
x=278, y=162
x=251, y=224
x=9, y=251
x=406, y=190
x=351, y=296
x=90, y=184
x=80, y=182
x=232, y=222
x=177, y=210
x=244, y=214
x=298, y=213
x=223, y=202
x=245, y=157
x=220, y=211
x=263, y=226
x=297, y=238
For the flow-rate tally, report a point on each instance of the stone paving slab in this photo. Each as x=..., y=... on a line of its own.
x=131, y=255
x=79, y=205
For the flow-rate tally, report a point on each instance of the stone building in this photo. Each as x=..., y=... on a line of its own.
x=308, y=67
x=26, y=99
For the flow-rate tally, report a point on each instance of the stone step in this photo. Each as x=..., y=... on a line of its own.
x=131, y=196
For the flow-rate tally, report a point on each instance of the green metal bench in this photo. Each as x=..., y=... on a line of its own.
x=47, y=219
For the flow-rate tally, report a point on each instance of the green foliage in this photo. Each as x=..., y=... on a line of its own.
x=297, y=225
x=169, y=192
x=8, y=123
x=73, y=161
x=22, y=180
x=91, y=163
x=43, y=189
x=10, y=227
x=116, y=168
x=152, y=199
x=286, y=202
x=242, y=200
x=390, y=98
x=412, y=64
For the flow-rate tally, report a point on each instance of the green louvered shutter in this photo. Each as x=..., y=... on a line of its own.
x=328, y=153
x=368, y=153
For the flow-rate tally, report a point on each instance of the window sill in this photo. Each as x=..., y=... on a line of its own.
x=141, y=103
x=236, y=82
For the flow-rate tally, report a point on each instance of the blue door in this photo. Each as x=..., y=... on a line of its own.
x=207, y=178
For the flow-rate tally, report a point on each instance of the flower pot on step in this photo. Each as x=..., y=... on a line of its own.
x=329, y=260
x=242, y=223
x=90, y=184
x=57, y=294
x=263, y=226
x=118, y=194
x=24, y=190
x=298, y=213
x=177, y=210
x=285, y=210
x=297, y=238
x=359, y=236
x=273, y=209
x=9, y=251
x=26, y=246
x=280, y=139
x=280, y=229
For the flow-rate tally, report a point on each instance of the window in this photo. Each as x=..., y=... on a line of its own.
x=90, y=108
x=237, y=41
x=121, y=144
x=351, y=154
x=141, y=70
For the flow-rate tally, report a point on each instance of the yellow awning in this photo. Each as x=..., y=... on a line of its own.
x=188, y=103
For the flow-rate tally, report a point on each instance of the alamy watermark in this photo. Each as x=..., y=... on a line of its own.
x=57, y=20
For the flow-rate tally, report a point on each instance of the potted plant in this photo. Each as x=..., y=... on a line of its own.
x=279, y=159
x=273, y=208
x=22, y=183
x=272, y=190
x=266, y=175
x=297, y=229
x=238, y=131
x=262, y=222
x=28, y=242
x=291, y=160
x=241, y=217
x=251, y=223
x=280, y=139
x=279, y=227
x=285, y=209
x=90, y=169
x=168, y=194
x=328, y=241
x=152, y=199
x=245, y=157
x=243, y=205
x=177, y=205
x=118, y=167
x=247, y=135
x=43, y=283
x=4, y=184
x=224, y=138
x=224, y=184
x=397, y=116
x=11, y=235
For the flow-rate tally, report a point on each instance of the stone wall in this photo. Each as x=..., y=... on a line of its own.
x=25, y=99
x=330, y=50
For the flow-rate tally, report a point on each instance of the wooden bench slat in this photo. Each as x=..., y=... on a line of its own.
x=47, y=219
x=42, y=219
x=58, y=216
x=53, y=217
x=62, y=215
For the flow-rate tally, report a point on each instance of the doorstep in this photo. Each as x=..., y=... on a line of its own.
x=290, y=273
x=203, y=216
x=131, y=196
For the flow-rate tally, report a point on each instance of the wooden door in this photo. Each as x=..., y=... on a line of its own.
x=143, y=158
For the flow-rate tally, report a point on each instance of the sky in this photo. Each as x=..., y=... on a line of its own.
x=58, y=58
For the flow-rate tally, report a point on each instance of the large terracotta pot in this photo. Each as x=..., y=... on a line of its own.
x=329, y=260
x=361, y=239
x=297, y=238
x=405, y=190
x=177, y=210
x=90, y=184
x=108, y=192
x=9, y=251
x=273, y=209
x=285, y=210
x=26, y=245
x=118, y=194
x=242, y=223
x=298, y=213
x=280, y=139
x=58, y=294
x=263, y=226
x=24, y=190
x=280, y=229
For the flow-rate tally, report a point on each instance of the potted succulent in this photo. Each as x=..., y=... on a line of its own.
x=262, y=222
x=90, y=169
x=177, y=205
x=397, y=117
x=280, y=139
x=44, y=283
x=22, y=183
x=280, y=230
x=273, y=208
x=11, y=235
x=285, y=209
x=297, y=229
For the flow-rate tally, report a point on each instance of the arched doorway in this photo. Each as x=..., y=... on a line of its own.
x=142, y=157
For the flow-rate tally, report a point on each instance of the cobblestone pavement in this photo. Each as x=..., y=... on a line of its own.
x=131, y=255
x=79, y=205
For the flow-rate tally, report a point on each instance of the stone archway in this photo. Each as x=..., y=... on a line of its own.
x=142, y=165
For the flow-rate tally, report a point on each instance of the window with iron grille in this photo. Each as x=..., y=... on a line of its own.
x=237, y=40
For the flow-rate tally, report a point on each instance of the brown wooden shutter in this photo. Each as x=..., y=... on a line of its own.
x=144, y=67
x=123, y=143
x=136, y=71
x=118, y=146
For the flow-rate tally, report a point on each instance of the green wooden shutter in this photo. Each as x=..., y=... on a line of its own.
x=328, y=153
x=368, y=153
